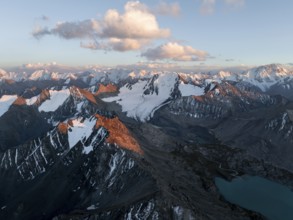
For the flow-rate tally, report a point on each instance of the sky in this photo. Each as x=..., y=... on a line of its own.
x=116, y=32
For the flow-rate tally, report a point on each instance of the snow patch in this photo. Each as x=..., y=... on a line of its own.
x=5, y=103
x=92, y=207
x=188, y=90
x=81, y=129
x=283, y=121
x=88, y=149
x=79, y=106
x=32, y=100
x=57, y=98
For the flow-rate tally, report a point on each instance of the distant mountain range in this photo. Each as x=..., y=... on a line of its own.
x=122, y=144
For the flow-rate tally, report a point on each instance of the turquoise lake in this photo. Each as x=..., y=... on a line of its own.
x=271, y=199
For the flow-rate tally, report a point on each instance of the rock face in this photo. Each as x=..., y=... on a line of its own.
x=140, y=145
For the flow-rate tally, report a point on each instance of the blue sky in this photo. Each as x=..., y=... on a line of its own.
x=189, y=32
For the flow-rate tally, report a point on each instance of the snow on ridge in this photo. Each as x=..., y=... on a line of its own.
x=40, y=74
x=262, y=76
x=82, y=128
x=57, y=98
x=266, y=76
x=31, y=100
x=141, y=106
x=3, y=73
x=188, y=90
x=5, y=103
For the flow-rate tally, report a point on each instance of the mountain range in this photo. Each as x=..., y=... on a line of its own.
x=140, y=144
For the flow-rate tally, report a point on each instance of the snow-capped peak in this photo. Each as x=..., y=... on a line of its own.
x=80, y=129
x=266, y=76
x=57, y=98
x=40, y=75
x=141, y=99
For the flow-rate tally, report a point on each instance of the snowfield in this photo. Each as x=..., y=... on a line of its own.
x=80, y=130
x=188, y=90
x=5, y=103
x=57, y=98
x=139, y=106
x=32, y=100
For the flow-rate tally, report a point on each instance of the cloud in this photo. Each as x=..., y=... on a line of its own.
x=208, y=6
x=70, y=30
x=172, y=9
x=115, y=44
x=39, y=32
x=229, y=60
x=176, y=52
x=131, y=30
x=134, y=23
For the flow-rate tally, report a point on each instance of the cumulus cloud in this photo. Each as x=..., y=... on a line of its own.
x=136, y=23
x=208, y=6
x=131, y=30
x=176, y=52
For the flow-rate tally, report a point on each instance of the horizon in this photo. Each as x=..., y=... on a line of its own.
x=201, y=34
x=155, y=67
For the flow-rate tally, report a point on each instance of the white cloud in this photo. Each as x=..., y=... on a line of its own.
x=131, y=30
x=135, y=23
x=115, y=44
x=176, y=52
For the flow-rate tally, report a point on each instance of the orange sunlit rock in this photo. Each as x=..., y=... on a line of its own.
x=183, y=78
x=118, y=133
x=88, y=95
x=19, y=101
x=70, y=123
x=9, y=81
x=45, y=94
x=106, y=89
x=198, y=98
x=62, y=128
